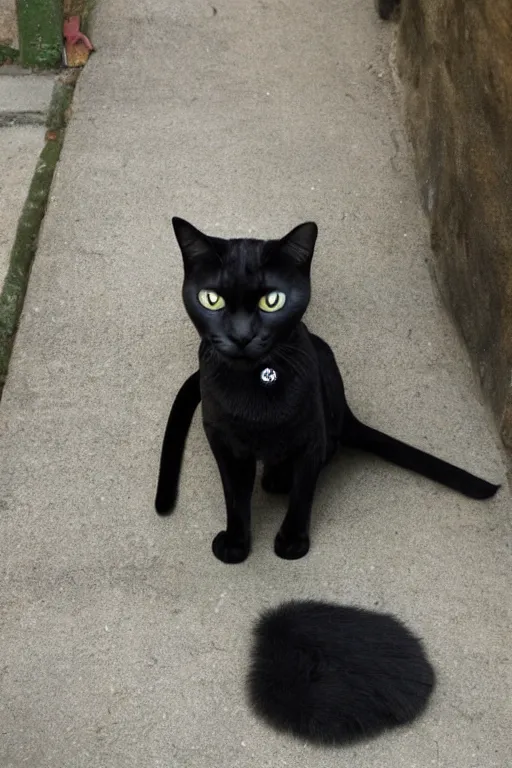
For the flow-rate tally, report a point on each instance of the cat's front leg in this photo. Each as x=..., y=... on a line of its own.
x=237, y=474
x=292, y=541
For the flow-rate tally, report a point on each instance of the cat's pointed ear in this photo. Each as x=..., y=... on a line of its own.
x=195, y=246
x=299, y=244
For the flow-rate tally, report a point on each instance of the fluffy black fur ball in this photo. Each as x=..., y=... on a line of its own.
x=334, y=674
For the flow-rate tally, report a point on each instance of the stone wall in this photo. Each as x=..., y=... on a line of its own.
x=8, y=25
x=455, y=60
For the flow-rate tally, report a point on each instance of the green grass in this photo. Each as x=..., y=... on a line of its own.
x=40, y=28
x=7, y=53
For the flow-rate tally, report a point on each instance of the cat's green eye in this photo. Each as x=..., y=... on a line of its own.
x=272, y=302
x=211, y=300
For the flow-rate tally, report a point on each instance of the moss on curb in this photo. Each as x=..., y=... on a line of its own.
x=8, y=54
x=27, y=233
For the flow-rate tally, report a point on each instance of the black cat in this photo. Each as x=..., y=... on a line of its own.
x=270, y=389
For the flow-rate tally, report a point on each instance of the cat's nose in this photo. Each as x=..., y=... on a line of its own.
x=241, y=340
x=241, y=331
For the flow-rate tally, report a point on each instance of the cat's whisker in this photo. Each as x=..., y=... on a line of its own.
x=286, y=356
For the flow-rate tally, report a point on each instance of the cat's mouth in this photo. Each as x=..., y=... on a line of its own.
x=244, y=359
x=239, y=360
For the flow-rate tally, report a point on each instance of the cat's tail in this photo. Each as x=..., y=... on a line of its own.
x=357, y=435
x=178, y=425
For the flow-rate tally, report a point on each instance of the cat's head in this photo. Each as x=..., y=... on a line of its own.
x=245, y=295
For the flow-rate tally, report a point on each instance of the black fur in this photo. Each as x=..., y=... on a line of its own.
x=294, y=426
x=334, y=674
x=178, y=424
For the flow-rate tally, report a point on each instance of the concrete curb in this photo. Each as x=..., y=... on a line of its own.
x=27, y=233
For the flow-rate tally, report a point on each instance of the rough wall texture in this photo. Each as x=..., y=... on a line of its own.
x=8, y=26
x=455, y=59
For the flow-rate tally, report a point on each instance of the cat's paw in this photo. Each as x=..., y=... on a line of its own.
x=291, y=547
x=276, y=481
x=230, y=551
x=165, y=503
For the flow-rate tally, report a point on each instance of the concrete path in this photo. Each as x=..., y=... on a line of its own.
x=123, y=641
x=24, y=102
x=20, y=146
